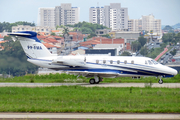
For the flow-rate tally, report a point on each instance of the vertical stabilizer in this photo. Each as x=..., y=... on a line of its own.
x=31, y=45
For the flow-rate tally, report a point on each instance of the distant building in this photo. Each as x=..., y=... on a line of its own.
x=129, y=36
x=118, y=47
x=46, y=30
x=66, y=15
x=113, y=16
x=107, y=52
x=102, y=31
x=146, y=23
x=60, y=15
x=46, y=17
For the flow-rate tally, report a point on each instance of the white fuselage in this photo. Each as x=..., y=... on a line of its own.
x=115, y=65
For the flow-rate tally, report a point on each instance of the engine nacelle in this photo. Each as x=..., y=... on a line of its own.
x=70, y=60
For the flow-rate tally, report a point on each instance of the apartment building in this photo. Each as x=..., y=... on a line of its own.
x=113, y=16
x=145, y=23
x=60, y=15
x=46, y=17
x=66, y=15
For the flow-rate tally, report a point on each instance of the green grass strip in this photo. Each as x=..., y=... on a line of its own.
x=66, y=78
x=85, y=99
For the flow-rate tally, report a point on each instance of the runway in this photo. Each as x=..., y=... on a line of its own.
x=167, y=85
x=92, y=116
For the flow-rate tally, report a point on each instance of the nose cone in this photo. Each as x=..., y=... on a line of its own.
x=171, y=71
x=175, y=72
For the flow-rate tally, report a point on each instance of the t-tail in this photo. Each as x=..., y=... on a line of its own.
x=32, y=46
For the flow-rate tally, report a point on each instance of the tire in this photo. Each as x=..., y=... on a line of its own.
x=97, y=82
x=92, y=81
x=160, y=81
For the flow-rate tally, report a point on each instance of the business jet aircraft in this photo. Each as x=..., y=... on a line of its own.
x=91, y=66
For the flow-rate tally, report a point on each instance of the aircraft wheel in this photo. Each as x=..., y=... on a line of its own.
x=160, y=81
x=92, y=81
x=97, y=82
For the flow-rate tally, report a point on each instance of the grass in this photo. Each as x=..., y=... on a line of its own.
x=90, y=99
x=65, y=78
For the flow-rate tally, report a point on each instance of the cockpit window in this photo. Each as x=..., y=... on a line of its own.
x=150, y=63
x=146, y=62
x=154, y=62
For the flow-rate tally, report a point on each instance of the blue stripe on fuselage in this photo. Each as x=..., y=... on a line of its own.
x=82, y=69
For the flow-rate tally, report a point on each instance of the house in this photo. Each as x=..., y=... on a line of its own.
x=1, y=37
x=101, y=40
x=1, y=47
x=53, y=49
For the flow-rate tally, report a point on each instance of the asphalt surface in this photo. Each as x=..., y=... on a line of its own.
x=92, y=116
x=167, y=85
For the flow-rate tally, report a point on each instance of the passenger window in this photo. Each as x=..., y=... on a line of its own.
x=104, y=61
x=111, y=61
x=97, y=61
x=125, y=62
x=118, y=62
x=132, y=62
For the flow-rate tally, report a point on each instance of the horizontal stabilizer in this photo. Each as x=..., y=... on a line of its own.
x=20, y=34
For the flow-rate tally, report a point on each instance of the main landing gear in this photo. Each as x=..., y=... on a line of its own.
x=160, y=80
x=95, y=80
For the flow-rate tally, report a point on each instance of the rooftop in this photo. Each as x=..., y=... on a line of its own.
x=49, y=45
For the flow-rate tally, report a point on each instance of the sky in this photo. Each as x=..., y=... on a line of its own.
x=27, y=10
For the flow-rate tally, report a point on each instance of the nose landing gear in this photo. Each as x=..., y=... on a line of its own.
x=160, y=80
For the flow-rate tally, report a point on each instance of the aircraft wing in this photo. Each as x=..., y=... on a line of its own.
x=92, y=74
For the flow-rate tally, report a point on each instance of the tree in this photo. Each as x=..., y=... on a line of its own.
x=76, y=29
x=168, y=37
x=14, y=61
x=91, y=35
x=177, y=37
x=9, y=38
x=65, y=32
x=8, y=26
x=125, y=53
x=173, y=52
x=107, y=36
x=142, y=40
x=53, y=34
x=135, y=46
x=144, y=51
x=86, y=30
